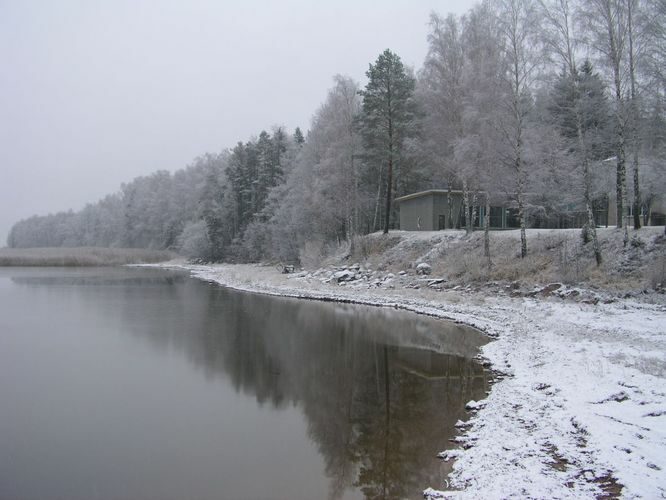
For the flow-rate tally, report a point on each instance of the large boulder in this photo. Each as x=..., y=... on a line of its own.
x=423, y=269
x=344, y=275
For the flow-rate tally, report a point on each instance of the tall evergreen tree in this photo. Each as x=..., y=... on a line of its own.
x=387, y=117
x=298, y=136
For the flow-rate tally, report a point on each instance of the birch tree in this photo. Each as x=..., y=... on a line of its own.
x=605, y=21
x=560, y=38
x=485, y=88
x=440, y=91
x=517, y=21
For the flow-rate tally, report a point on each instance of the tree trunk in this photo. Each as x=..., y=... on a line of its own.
x=486, y=232
x=352, y=220
x=449, y=202
x=523, y=233
x=634, y=118
x=377, y=200
x=518, y=147
x=389, y=175
x=621, y=173
x=466, y=207
x=591, y=229
x=389, y=185
x=648, y=210
x=637, y=191
x=521, y=187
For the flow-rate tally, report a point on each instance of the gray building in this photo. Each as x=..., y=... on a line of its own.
x=429, y=210
x=438, y=209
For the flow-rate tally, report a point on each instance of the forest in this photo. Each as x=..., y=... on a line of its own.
x=552, y=103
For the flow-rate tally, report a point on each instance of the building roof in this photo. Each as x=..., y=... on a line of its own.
x=427, y=193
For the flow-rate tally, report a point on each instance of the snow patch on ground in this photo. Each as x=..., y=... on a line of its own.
x=581, y=410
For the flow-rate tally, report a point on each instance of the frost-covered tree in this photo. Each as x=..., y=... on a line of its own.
x=518, y=20
x=460, y=86
x=579, y=104
x=606, y=25
x=321, y=199
x=439, y=91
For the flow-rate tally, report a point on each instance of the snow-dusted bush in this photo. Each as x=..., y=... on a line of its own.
x=193, y=242
x=313, y=253
x=257, y=243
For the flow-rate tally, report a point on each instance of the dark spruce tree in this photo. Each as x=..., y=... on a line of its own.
x=580, y=111
x=298, y=137
x=387, y=118
x=581, y=106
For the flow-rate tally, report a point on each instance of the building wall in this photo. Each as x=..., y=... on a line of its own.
x=441, y=207
x=416, y=214
x=423, y=212
x=657, y=210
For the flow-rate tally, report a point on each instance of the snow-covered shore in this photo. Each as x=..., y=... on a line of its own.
x=582, y=410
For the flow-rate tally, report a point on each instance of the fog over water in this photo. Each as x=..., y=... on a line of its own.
x=96, y=93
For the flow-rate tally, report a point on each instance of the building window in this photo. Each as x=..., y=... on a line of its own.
x=657, y=219
x=512, y=219
x=496, y=216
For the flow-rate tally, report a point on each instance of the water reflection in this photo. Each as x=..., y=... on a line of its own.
x=380, y=389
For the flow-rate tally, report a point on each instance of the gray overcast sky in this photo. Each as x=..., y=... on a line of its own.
x=95, y=93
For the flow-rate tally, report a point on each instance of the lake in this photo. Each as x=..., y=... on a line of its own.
x=119, y=383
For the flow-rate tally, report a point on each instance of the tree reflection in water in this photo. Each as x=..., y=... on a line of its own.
x=378, y=410
x=381, y=389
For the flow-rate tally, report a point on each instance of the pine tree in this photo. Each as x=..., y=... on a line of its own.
x=387, y=117
x=265, y=171
x=298, y=136
x=212, y=214
x=279, y=149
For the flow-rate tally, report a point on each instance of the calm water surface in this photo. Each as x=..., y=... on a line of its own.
x=147, y=384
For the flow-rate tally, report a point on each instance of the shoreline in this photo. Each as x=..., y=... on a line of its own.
x=580, y=410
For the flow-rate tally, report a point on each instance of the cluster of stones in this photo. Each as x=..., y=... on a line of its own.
x=358, y=275
x=364, y=275
x=355, y=275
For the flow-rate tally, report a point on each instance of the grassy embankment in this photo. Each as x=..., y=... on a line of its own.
x=84, y=256
x=553, y=256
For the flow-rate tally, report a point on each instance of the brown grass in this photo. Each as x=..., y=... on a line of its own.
x=553, y=256
x=82, y=256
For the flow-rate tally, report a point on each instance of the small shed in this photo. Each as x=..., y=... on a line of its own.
x=430, y=210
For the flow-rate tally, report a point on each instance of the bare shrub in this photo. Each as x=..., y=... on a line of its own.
x=467, y=266
x=656, y=272
x=313, y=253
x=571, y=264
x=531, y=267
x=371, y=245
